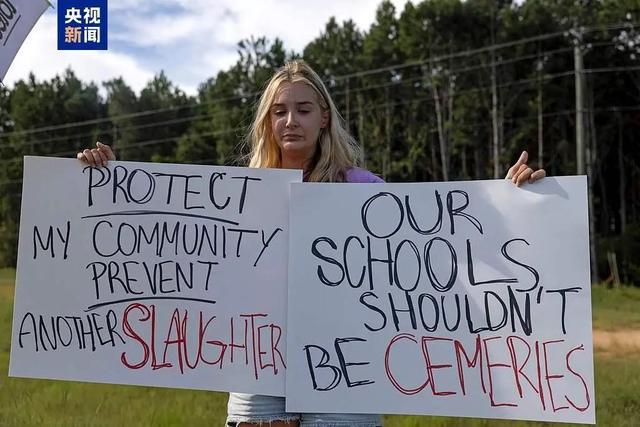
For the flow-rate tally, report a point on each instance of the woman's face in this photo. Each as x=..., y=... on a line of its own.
x=296, y=120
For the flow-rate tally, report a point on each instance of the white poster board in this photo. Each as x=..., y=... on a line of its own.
x=152, y=274
x=17, y=18
x=463, y=299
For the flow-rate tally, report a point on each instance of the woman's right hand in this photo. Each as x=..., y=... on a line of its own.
x=98, y=156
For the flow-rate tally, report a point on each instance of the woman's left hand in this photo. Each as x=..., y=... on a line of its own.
x=521, y=172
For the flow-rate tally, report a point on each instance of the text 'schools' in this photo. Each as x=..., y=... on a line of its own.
x=462, y=299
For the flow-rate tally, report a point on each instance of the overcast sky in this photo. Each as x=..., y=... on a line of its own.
x=191, y=40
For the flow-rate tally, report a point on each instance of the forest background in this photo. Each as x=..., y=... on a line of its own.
x=441, y=90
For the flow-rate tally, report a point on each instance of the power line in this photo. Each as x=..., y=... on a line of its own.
x=484, y=49
x=610, y=69
x=120, y=128
x=439, y=58
x=111, y=119
x=398, y=82
x=135, y=144
x=158, y=141
x=143, y=143
x=431, y=130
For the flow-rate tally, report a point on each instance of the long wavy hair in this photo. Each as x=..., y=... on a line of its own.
x=336, y=151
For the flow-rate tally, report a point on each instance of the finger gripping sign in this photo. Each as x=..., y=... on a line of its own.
x=152, y=274
x=462, y=299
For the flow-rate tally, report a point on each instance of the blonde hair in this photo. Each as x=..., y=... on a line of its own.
x=336, y=151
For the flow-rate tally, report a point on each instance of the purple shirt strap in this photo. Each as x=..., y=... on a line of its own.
x=361, y=175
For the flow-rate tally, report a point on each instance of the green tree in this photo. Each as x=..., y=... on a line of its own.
x=227, y=100
x=377, y=98
x=61, y=109
x=168, y=114
x=122, y=106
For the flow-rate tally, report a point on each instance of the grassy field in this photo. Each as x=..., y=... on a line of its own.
x=616, y=308
x=58, y=403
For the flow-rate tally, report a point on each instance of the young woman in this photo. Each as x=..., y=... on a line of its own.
x=297, y=126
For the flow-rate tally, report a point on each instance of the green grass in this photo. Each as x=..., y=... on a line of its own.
x=616, y=308
x=7, y=276
x=25, y=402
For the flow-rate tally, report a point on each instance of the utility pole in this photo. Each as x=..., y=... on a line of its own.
x=582, y=156
x=494, y=103
x=442, y=134
x=621, y=170
x=540, y=118
x=361, y=128
x=386, y=162
x=579, y=82
x=115, y=137
x=347, y=105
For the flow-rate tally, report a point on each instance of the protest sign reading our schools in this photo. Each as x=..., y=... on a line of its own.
x=464, y=299
x=152, y=274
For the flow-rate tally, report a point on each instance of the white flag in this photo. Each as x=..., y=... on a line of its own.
x=17, y=18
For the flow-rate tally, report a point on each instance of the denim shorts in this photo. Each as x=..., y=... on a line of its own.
x=258, y=409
